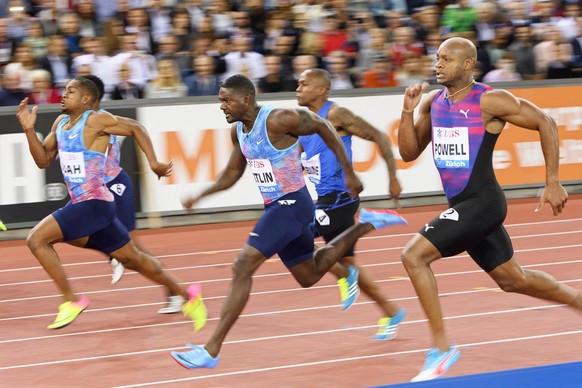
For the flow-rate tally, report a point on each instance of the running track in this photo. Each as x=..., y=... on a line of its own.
x=287, y=336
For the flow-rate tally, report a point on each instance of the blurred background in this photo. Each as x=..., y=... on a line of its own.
x=162, y=62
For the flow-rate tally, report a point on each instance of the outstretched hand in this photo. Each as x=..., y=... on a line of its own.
x=556, y=196
x=189, y=202
x=162, y=169
x=413, y=94
x=26, y=118
x=395, y=189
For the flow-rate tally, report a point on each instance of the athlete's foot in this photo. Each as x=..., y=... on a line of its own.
x=381, y=218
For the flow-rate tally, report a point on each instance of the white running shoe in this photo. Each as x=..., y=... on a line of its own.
x=117, y=269
x=174, y=305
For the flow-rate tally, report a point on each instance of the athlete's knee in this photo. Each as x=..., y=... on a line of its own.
x=512, y=284
x=34, y=241
x=412, y=261
x=244, y=266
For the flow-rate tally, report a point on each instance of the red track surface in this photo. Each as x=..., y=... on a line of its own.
x=287, y=336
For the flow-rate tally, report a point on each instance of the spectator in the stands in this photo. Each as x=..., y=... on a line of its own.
x=381, y=75
x=11, y=93
x=57, y=61
x=275, y=80
x=125, y=89
x=342, y=78
x=42, y=90
x=168, y=82
x=522, y=48
x=505, y=70
x=204, y=81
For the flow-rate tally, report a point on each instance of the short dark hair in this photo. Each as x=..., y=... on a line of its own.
x=98, y=82
x=89, y=87
x=240, y=83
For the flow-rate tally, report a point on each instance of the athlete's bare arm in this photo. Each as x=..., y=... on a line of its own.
x=135, y=129
x=414, y=134
x=43, y=152
x=499, y=107
x=98, y=127
x=293, y=123
x=228, y=177
x=345, y=120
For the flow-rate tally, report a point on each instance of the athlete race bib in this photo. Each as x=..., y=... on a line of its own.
x=451, y=147
x=263, y=174
x=73, y=166
x=312, y=168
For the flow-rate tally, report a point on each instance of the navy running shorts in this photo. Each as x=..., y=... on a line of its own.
x=95, y=218
x=286, y=228
x=123, y=192
x=475, y=225
x=334, y=213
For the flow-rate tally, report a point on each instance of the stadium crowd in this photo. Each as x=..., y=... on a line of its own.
x=176, y=48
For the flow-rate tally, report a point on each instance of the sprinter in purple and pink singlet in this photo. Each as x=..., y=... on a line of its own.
x=462, y=122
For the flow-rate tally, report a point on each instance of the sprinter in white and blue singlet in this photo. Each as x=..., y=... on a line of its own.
x=336, y=207
x=266, y=140
x=463, y=121
x=81, y=139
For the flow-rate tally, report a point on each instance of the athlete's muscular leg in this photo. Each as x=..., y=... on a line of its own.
x=311, y=271
x=417, y=256
x=149, y=266
x=366, y=284
x=40, y=241
x=243, y=269
x=511, y=277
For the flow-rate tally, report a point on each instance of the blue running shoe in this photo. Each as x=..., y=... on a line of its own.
x=381, y=218
x=198, y=357
x=348, y=287
x=388, y=326
x=437, y=363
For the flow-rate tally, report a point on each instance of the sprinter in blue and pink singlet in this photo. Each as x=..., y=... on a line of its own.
x=463, y=122
x=81, y=139
x=266, y=140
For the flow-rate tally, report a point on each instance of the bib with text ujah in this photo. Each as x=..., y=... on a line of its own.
x=312, y=168
x=263, y=174
x=451, y=147
x=73, y=166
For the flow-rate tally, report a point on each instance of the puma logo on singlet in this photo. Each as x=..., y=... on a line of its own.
x=466, y=113
x=427, y=227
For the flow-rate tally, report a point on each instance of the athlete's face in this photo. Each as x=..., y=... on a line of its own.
x=233, y=104
x=451, y=64
x=73, y=97
x=308, y=89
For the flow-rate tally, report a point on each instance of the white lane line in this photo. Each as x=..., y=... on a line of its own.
x=340, y=360
x=277, y=274
x=196, y=253
x=277, y=312
x=270, y=338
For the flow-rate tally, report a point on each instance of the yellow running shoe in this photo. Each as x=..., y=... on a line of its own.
x=68, y=312
x=2, y=226
x=195, y=308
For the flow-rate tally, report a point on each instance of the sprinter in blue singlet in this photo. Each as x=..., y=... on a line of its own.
x=335, y=207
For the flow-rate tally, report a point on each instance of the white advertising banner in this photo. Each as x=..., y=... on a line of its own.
x=197, y=138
